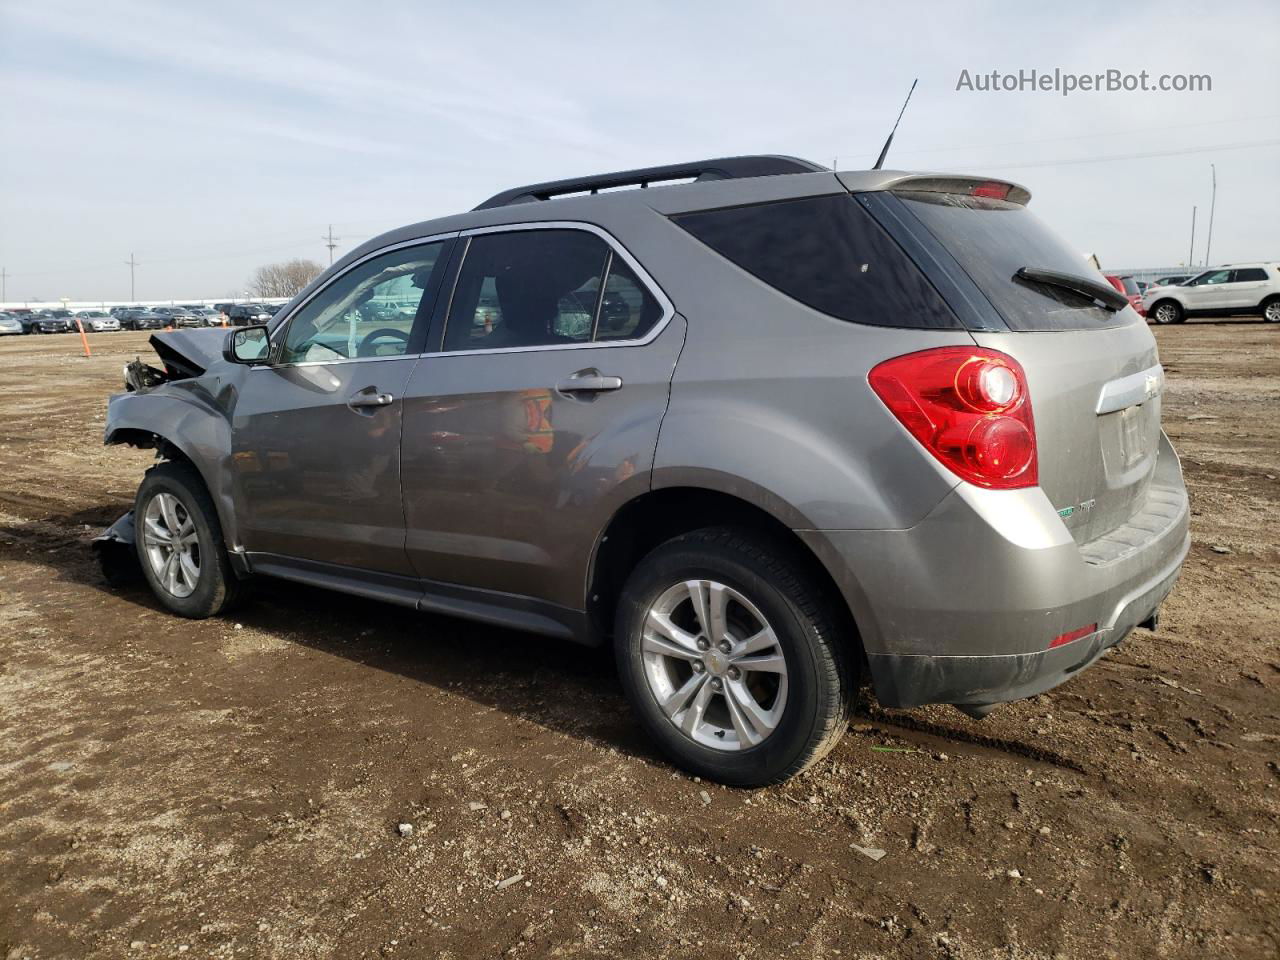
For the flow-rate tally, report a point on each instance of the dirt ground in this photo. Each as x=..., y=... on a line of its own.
x=232, y=788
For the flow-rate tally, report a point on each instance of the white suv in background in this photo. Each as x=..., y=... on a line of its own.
x=1240, y=288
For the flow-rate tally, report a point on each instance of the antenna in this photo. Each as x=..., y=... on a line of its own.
x=885, y=151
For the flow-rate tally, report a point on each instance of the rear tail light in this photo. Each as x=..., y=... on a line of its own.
x=969, y=408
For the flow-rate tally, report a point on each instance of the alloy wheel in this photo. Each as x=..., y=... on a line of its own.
x=172, y=544
x=714, y=665
x=1166, y=313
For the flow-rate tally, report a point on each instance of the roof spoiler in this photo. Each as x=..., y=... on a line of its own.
x=724, y=168
x=971, y=186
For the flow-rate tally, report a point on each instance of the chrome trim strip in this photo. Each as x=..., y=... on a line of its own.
x=1131, y=390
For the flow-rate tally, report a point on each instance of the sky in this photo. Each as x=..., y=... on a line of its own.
x=205, y=140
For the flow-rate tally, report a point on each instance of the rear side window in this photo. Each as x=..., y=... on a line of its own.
x=829, y=254
x=1249, y=275
x=991, y=239
x=1130, y=286
x=537, y=288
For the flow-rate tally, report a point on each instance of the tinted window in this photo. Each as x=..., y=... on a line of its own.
x=1249, y=275
x=527, y=288
x=369, y=311
x=1130, y=286
x=628, y=310
x=829, y=254
x=991, y=239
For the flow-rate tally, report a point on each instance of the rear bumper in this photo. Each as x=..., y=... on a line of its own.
x=962, y=607
x=914, y=679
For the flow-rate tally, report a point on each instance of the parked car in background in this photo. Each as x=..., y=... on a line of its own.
x=24, y=316
x=1235, y=290
x=120, y=311
x=695, y=431
x=209, y=316
x=1129, y=287
x=179, y=316
x=10, y=325
x=1170, y=280
x=48, y=323
x=97, y=321
x=142, y=319
x=247, y=314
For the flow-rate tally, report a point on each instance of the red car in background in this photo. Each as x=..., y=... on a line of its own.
x=1129, y=287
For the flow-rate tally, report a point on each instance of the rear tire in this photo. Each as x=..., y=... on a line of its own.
x=1271, y=310
x=1167, y=311
x=179, y=543
x=747, y=681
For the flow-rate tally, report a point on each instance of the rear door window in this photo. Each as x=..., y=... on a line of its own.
x=1249, y=275
x=829, y=254
x=991, y=239
x=542, y=288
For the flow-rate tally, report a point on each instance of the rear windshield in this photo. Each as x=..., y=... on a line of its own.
x=1130, y=286
x=992, y=239
x=829, y=254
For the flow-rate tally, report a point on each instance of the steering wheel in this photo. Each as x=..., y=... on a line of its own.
x=366, y=348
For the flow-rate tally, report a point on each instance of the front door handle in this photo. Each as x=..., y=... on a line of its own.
x=589, y=381
x=369, y=397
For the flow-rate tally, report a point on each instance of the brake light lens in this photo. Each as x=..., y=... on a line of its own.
x=969, y=407
x=991, y=190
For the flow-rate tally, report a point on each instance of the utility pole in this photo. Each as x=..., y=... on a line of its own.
x=1191, y=254
x=131, y=264
x=1212, y=203
x=330, y=241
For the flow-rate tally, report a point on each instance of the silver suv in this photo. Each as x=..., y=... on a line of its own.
x=767, y=433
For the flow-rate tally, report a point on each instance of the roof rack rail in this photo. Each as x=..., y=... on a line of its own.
x=724, y=168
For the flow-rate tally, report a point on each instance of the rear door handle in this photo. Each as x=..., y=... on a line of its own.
x=589, y=382
x=369, y=397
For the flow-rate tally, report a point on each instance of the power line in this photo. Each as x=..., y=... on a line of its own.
x=1109, y=134
x=1128, y=156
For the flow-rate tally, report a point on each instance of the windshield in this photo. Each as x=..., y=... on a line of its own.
x=992, y=239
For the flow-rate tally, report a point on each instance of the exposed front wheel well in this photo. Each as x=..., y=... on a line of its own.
x=658, y=516
x=146, y=440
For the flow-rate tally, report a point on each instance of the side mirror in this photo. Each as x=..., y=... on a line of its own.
x=250, y=345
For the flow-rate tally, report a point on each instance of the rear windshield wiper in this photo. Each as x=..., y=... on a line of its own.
x=1108, y=296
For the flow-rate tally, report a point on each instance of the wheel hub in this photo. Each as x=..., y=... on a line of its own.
x=714, y=665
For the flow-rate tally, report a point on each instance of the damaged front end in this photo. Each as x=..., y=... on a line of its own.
x=179, y=408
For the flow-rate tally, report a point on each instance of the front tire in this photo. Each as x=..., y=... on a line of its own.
x=731, y=657
x=1168, y=311
x=179, y=543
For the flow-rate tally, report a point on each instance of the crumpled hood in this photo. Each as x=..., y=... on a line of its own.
x=188, y=353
